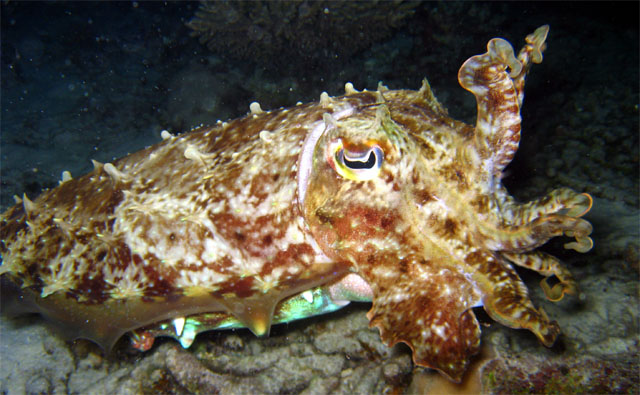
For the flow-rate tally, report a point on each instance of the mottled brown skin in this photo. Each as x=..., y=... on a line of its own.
x=105, y=243
x=434, y=231
x=235, y=218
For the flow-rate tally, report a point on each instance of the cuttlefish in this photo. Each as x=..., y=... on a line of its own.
x=370, y=196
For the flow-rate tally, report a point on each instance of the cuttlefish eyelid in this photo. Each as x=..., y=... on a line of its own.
x=362, y=160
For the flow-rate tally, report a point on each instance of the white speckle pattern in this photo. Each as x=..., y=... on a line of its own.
x=235, y=218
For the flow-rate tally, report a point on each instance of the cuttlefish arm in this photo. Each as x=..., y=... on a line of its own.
x=548, y=266
x=531, y=224
x=427, y=306
x=527, y=226
x=505, y=296
x=496, y=78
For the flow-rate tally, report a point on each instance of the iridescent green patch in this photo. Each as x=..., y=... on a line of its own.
x=309, y=303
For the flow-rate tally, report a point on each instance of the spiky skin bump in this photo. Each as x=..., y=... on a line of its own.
x=237, y=217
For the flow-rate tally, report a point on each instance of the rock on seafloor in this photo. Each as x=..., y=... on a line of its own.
x=338, y=356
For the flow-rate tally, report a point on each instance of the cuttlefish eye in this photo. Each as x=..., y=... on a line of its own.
x=357, y=163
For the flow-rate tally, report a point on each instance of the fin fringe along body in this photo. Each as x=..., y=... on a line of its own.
x=280, y=215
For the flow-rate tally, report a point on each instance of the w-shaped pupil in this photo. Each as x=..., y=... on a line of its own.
x=358, y=164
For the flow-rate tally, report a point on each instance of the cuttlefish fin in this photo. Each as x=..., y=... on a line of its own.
x=255, y=313
x=429, y=310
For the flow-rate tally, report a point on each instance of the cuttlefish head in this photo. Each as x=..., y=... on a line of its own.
x=411, y=201
x=372, y=200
